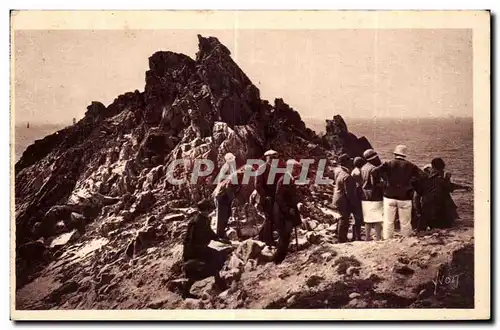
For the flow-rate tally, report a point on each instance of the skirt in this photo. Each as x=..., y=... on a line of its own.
x=372, y=211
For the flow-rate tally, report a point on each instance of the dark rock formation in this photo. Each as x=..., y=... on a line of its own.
x=341, y=140
x=114, y=160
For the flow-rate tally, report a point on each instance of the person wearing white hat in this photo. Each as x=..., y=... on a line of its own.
x=229, y=157
x=427, y=168
x=270, y=152
x=400, y=177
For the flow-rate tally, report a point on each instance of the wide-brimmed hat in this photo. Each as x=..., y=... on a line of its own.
x=370, y=154
x=427, y=167
x=400, y=150
x=343, y=158
x=358, y=161
x=270, y=153
x=206, y=205
x=438, y=164
x=229, y=157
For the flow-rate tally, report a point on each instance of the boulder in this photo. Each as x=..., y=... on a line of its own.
x=232, y=234
x=303, y=244
x=190, y=303
x=249, y=249
x=141, y=241
x=144, y=201
x=313, y=238
x=403, y=270
x=314, y=280
x=267, y=254
x=64, y=239
x=32, y=252
x=354, y=295
x=235, y=262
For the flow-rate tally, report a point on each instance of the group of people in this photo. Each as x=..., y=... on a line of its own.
x=375, y=193
x=278, y=199
x=379, y=194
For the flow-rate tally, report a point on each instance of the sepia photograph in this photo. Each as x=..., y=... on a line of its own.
x=285, y=165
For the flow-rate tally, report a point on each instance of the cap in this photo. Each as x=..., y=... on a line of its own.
x=206, y=205
x=370, y=154
x=400, y=150
x=358, y=161
x=343, y=158
x=229, y=157
x=438, y=164
x=270, y=153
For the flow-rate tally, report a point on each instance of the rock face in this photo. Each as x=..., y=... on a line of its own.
x=340, y=139
x=189, y=109
x=95, y=195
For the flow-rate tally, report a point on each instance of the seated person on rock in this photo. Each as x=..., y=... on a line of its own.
x=201, y=261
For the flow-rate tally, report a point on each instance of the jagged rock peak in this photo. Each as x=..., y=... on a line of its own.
x=209, y=46
x=163, y=62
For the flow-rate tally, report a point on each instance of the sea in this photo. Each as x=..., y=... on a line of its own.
x=448, y=138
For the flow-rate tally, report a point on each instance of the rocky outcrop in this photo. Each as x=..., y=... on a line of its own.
x=339, y=138
x=102, y=183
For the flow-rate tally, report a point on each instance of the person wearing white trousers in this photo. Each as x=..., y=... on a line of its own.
x=396, y=209
x=400, y=177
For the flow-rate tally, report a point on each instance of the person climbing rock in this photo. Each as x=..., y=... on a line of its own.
x=267, y=191
x=285, y=210
x=200, y=260
x=345, y=200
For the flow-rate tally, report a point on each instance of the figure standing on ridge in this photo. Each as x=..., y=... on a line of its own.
x=345, y=200
x=286, y=213
x=438, y=208
x=267, y=192
x=371, y=195
x=224, y=194
x=400, y=177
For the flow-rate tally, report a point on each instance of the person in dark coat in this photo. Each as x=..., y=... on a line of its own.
x=371, y=196
x=438, y=208
x=267, y=193
x=286, y=213
x=200, y=260
x=400, y=177
x=345, y=200
x=356, y=175
x=224, y=195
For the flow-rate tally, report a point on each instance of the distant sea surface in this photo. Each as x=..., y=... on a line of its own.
x=450, y=139
x=24, y=136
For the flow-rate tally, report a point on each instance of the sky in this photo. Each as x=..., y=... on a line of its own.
x=404, y=73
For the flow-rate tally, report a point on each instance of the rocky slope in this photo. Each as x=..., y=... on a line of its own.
x=99, y=226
